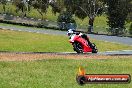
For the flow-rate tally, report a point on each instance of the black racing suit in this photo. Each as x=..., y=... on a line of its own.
x=86, y=38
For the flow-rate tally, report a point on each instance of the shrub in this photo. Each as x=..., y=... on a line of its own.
x=42, y=24
x=66, y=21
x=117, y=14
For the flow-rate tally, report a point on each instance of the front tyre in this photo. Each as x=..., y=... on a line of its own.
x=94, y=48
x=77, y=47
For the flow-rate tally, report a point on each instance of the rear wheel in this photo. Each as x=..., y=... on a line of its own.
x=77, y=47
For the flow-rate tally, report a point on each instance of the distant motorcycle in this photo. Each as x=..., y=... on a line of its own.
x=81, y=45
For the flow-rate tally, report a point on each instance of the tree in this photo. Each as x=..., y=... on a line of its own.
x=129, y=18
x=57, y=6
x=22, y=5
x=130, y=29
x=85, y=8
x=117, y=14
x=41, y=6
x=65, y=21
x=3, y=2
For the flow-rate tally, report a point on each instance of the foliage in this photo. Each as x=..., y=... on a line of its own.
x=66, y=17
x=57, y=6
x=41, y=6
x=129, y=17
x=117, y=13
x=25, y=6
x=85, y=8
x=66, y=21
x=81, y=8
x=21, y=6
x=130, y=29
x=3, y=2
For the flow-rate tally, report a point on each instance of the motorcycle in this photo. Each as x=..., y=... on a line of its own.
x=81, y=45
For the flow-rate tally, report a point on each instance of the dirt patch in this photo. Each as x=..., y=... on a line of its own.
x=30, y=57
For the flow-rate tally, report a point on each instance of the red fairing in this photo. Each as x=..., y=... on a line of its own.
x=82, y=41
x=74, y=38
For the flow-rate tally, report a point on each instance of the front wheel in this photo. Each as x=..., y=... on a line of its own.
x=77, y=47
x=94, y=48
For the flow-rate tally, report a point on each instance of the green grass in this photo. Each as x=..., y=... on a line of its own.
x=60, y=73
x=33, y=42
x=22, y=41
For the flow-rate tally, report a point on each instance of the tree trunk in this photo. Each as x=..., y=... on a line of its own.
x=91, y=23
x=40, y=13
x=4, y=8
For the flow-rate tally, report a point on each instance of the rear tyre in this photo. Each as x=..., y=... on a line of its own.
x=77, y=47
x=94, y=48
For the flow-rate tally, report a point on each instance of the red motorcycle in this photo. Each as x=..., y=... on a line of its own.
x=81, y=45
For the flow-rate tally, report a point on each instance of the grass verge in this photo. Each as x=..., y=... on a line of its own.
x=60, y=73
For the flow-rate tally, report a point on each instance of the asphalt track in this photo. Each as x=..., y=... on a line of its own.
x=109, y=53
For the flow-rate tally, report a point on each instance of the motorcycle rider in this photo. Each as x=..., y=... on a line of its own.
x=84, y=36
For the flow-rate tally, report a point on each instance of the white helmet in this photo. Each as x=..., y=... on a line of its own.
x=70, y=31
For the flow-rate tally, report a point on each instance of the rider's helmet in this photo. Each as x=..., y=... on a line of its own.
x=70, y=31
